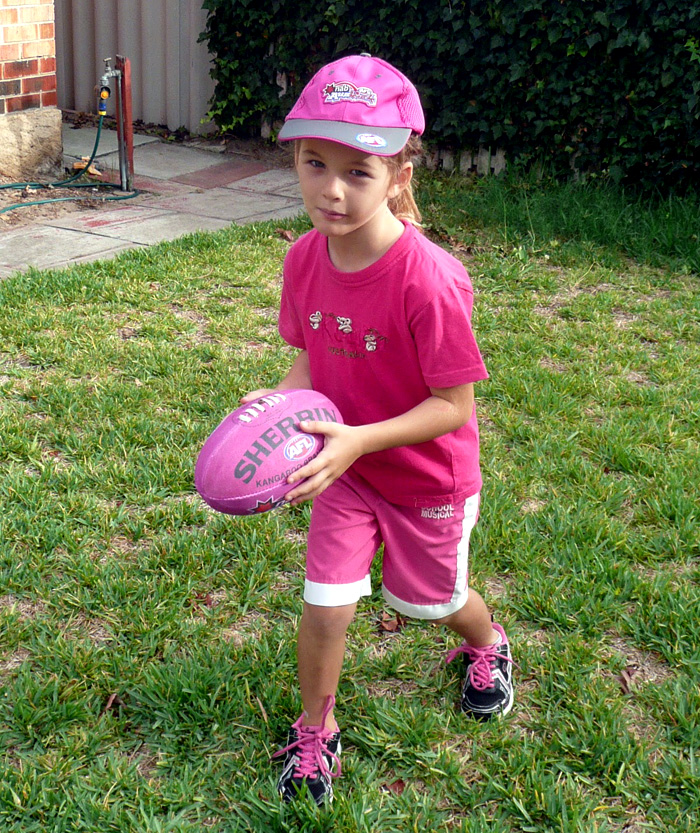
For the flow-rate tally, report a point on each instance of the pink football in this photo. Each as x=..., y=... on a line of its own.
x=244, y=464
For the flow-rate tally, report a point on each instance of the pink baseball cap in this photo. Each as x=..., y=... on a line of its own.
x=359, y=101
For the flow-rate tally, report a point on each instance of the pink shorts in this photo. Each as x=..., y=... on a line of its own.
x=426, y=550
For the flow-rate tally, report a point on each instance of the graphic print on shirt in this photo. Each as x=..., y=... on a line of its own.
x=343, y=337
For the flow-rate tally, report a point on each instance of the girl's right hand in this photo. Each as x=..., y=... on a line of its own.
x=342, y=446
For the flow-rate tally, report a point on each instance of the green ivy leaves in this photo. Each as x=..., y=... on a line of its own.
x=607, y=87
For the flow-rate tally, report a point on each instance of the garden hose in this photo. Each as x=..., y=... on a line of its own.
x=64, y=183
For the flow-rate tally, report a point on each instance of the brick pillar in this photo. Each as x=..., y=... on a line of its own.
x=30, y=123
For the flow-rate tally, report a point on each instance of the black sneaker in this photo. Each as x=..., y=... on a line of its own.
x=488, y=687
x=312, y=759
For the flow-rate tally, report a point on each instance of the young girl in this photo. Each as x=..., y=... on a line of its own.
x=381, y=317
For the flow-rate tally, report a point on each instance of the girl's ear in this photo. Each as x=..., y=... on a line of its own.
x=402, y=180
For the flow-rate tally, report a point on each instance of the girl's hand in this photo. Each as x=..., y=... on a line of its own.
x=342, y=447
x=256, y=394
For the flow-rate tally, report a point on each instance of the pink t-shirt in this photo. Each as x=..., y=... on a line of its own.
x=378, y=340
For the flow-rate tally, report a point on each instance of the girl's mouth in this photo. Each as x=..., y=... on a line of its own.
x=331, y=215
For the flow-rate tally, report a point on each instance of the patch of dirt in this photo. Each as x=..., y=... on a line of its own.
x=276, y=156
x=245, y=628
x=81, y=627
x=12, y=662
x=555, y=367
x=641, y=667
x=146, y=761
x=26, y=609
x=81, y=199
x=392, y=689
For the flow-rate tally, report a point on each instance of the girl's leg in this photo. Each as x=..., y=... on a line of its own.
x=320, y=651
x=488, y=688
x=472, y=622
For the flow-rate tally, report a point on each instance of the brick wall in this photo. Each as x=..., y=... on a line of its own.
x=27, y=55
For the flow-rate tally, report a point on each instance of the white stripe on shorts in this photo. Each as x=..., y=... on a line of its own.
x=335, y=595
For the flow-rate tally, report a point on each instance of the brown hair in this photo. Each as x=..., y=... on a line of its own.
x=404, y=205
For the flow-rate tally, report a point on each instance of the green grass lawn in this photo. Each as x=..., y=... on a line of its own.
x=147, y=667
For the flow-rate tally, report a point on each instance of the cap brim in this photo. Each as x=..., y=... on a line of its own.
x=378, y=141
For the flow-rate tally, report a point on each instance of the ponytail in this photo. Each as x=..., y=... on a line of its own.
x=403, y=206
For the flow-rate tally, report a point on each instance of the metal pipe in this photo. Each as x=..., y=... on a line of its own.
x=121, y=139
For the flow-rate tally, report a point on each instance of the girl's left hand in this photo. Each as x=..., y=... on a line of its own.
x=342, y=447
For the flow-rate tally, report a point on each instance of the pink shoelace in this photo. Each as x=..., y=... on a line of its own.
x=310, y=747
x=481, y=658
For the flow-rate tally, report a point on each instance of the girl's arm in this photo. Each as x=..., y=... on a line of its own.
x=446, y=410
x=298, y=376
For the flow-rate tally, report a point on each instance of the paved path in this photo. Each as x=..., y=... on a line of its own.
x=185, y=189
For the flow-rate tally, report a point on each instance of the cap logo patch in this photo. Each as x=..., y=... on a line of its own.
x=371, y=139
x=345, y=92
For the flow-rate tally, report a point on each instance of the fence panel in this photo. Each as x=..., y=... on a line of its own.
x=170, y=69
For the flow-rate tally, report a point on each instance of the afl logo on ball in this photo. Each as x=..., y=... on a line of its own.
x=298, y=447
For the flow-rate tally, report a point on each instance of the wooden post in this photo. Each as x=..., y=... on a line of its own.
x=124, y=64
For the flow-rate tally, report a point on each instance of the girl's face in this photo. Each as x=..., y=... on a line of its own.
x=344, y=190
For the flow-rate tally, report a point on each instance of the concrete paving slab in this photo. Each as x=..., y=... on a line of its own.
x=293, y=191
x=164, y=161
x=167, y=225
x=95, y=222
x=80, y=142
x=149, y=187
x=280, y=214
x=233, y=170
x=46, y=248
x=231, y=204
x=113, y=252
x=271, y=182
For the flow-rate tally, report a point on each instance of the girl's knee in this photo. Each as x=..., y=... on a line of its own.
x=331, y=621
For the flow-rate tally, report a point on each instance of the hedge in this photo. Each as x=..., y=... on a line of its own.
x=609, y=87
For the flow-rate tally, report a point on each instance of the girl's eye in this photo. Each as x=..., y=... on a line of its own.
x=359, y=173
x=315, y=163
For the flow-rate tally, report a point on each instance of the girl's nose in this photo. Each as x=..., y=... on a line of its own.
x=332, y=188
